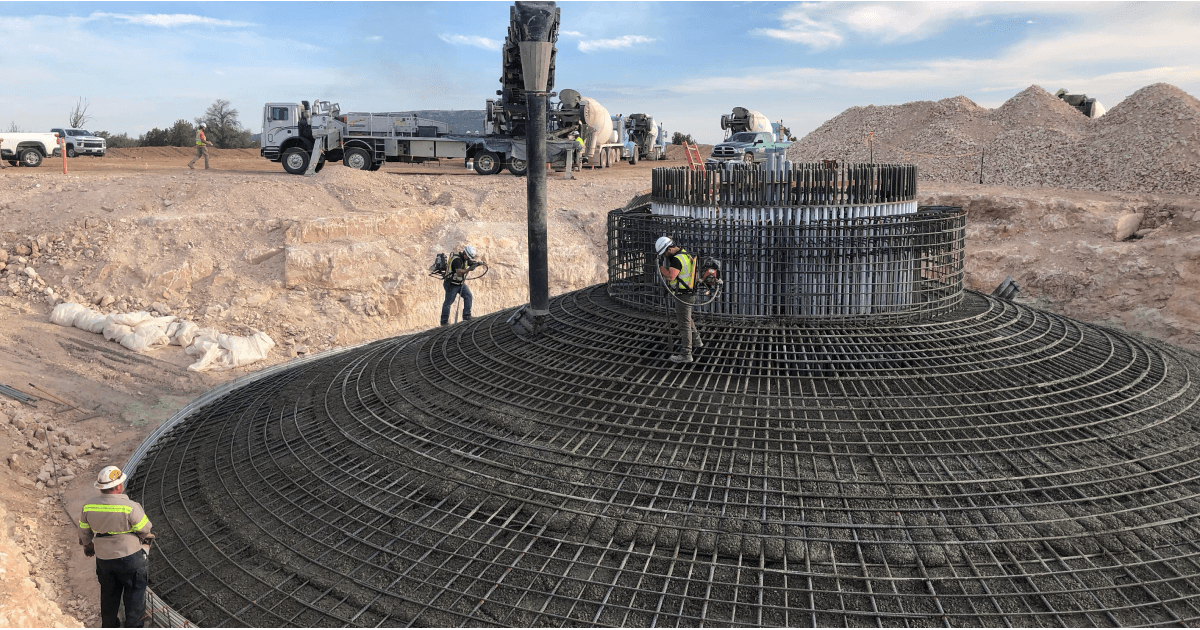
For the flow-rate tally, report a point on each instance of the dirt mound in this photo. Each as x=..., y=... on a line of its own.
x=675, y=151
x=184, y=153
x=1150, y=142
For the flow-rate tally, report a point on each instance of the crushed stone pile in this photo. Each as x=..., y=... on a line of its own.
x=1150, y=142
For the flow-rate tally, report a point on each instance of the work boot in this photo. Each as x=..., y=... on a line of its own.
x=191, y=167
x=697, y=343
x=681, y=358
x=466, y=317
x=445, y=323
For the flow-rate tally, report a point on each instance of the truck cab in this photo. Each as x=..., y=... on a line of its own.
x=81, y=142
x=280, y=123
x=751, y=147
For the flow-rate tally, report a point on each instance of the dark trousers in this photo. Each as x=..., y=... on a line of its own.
x=123, y=578
x=453, y=291
x=688, y=337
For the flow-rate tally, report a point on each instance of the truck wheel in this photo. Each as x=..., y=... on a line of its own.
x=748, y=158
x=518, y=167
x=603, y=158
x=633, y=158
x=71, y=150
x=31, y=157
x=357, y=159
x=376, y=166
x=487, y=163
x=295, y=160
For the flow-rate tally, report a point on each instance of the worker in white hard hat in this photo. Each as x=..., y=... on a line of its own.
x=116, y=531
x=455, y=283
x=201, y=146
x=679, y=269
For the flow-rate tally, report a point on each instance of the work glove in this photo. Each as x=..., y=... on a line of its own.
x=89, y=550
x=147, y=540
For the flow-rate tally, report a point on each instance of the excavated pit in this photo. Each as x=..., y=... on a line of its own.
x=963, y=461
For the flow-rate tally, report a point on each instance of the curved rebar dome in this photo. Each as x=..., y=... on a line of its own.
x=859, y=442
x=997, y=465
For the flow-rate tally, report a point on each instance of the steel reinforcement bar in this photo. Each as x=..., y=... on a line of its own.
x=803, y=184
x=791, y=264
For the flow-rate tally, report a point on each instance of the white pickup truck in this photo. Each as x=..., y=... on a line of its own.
x=28, y=149
x=81, y=142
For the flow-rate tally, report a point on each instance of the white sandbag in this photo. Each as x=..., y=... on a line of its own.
x=145, y=337
x=149, y=333
x=116, y=332
x=91, y=321
x=230, y=351
x=247, y=350
x=130, y=319
x=205, y=338
x=172, y=329
x=64, y=314
x=185, y=334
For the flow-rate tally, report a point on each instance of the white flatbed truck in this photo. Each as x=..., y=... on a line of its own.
x=296, y=134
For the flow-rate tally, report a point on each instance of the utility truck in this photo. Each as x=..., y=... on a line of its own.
x=28, y=149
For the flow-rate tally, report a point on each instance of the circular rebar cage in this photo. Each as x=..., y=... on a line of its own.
x=994, y=466
x=844, y=267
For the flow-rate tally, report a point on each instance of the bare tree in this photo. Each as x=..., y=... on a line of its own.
x=79, y=116
x=224, y=129
x=13, y=127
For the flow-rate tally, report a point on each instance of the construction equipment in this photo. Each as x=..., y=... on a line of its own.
x=648, y=136
x=1086, y=105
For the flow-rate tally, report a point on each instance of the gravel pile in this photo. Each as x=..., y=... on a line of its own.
x=1150, y=142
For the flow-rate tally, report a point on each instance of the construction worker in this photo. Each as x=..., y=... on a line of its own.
x=116, y=531
x=455, y=283
x=201, y=147
x=579, y=150
x=679, y=269
x=2, y=164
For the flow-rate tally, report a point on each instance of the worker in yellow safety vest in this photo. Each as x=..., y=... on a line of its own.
x=679, y=269
x=201, y=147
x=116, y=531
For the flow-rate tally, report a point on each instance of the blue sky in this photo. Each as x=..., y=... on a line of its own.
x=143, y=65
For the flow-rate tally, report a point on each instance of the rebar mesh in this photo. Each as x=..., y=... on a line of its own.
x=845, y=267
x=997, y=465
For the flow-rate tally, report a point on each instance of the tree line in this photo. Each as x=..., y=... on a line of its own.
x=223, y=130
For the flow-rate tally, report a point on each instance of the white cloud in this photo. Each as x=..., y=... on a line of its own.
x=825, y=25
x=170, y=20
x=1108, y=59
x=625, y=41
x=374, y=38
x=471, y=40
x=571, y=33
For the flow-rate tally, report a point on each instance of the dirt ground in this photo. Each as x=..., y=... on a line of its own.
x=342, y=257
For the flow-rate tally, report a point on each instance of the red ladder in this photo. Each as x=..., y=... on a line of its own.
x=695, y=162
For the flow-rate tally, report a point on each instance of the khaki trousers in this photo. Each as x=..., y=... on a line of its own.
x=201, y=152
x=688, y=336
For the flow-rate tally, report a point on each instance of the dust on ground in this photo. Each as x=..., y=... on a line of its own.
x=342, y=257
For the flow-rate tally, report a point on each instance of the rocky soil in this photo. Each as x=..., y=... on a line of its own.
x=1149, y=142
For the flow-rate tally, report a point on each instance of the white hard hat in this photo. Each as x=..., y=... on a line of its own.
x=469, y=251
x=662, y=244
x=203, y=125
x=109, y=477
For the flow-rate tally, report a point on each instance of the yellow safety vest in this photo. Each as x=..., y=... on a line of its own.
x=580, y=141
x=200, y=139
x=687, y=273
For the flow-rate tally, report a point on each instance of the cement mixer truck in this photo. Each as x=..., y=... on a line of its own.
x=751, y=137
x=604, y=139
x=648, y=136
